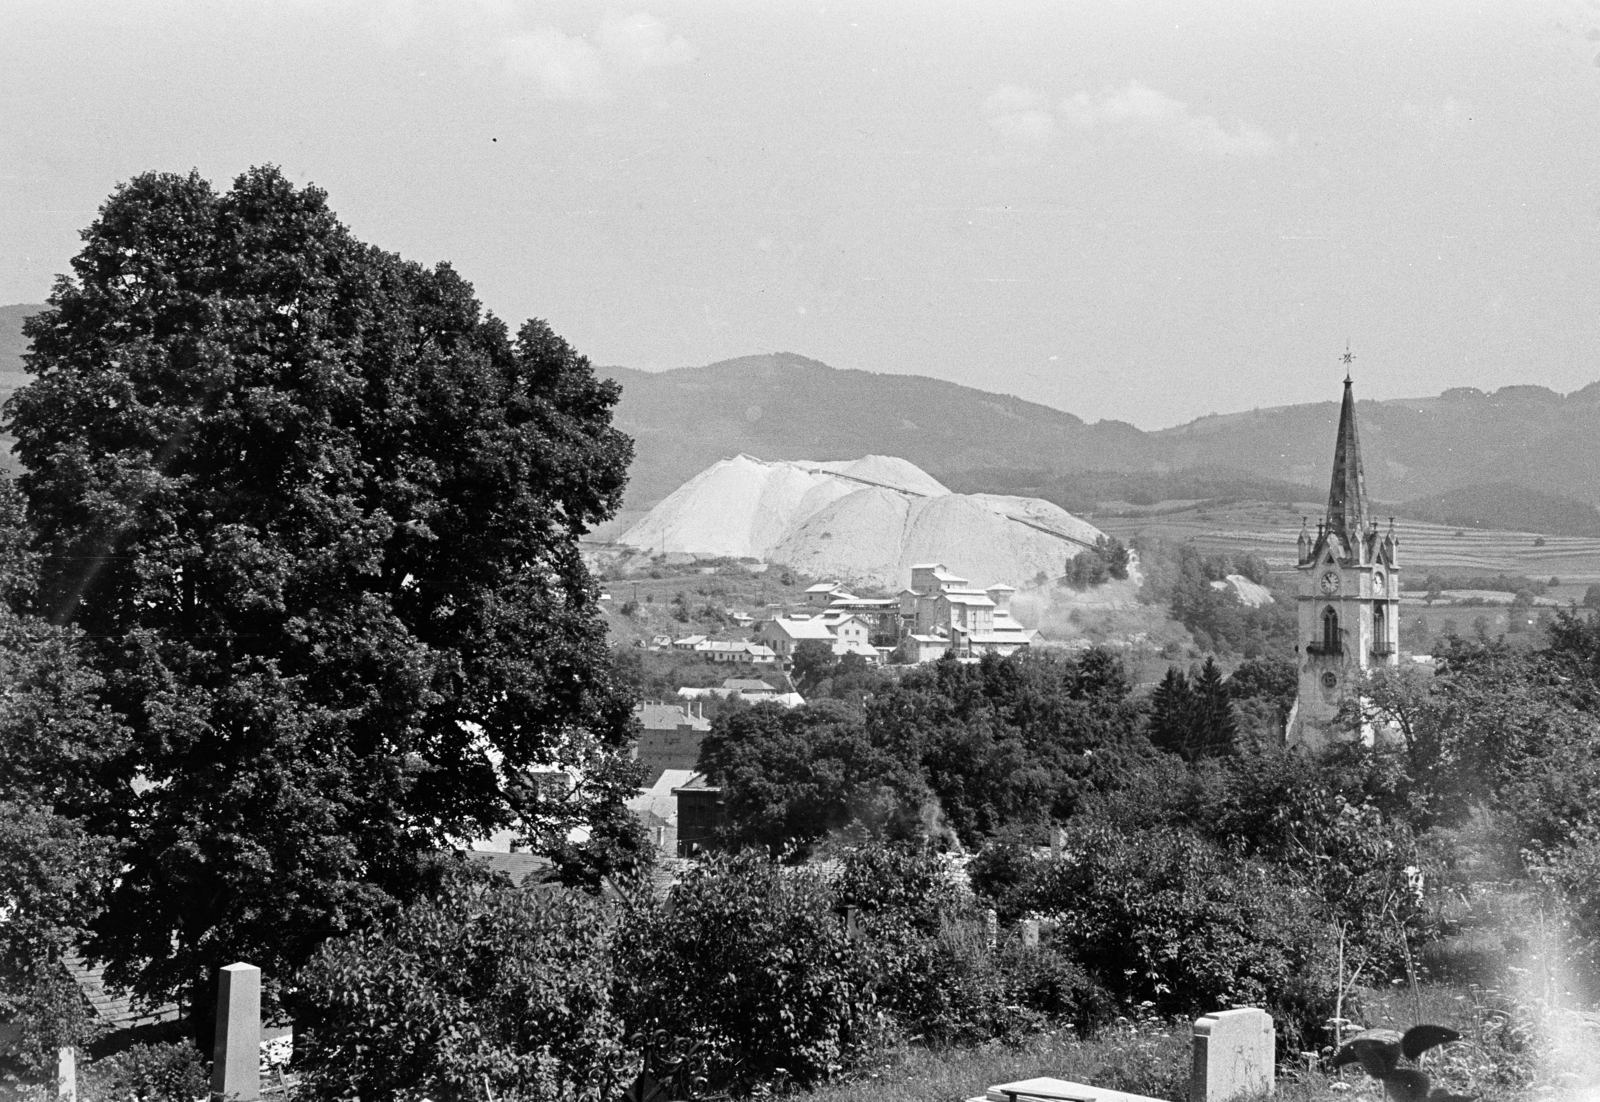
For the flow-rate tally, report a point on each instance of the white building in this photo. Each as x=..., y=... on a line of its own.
x=942, y=605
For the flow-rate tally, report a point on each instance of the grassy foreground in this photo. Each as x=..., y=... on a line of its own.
x=1510, y=1051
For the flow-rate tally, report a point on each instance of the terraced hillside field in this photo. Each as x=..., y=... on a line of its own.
x=1269, y=529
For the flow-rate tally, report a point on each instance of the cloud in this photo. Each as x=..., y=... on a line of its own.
x=1142, y=109
x=564, y=67
x=642, y=41
x=1020, y=117
x=586, y=68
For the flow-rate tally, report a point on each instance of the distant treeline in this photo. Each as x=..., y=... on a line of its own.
x=1500, y=506
x=1504, y=505
x=1496, y=583
x=1083, y=492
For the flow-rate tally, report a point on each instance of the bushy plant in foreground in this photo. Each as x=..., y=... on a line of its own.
x=936, y=973
x=173, y=1072
x=748, y=971
x=486, y=985
x=1172, y=924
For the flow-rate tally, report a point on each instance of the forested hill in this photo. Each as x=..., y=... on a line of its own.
x=784, y=406
x=1463, y=455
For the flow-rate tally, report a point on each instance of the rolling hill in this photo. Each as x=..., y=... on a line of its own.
x=784, y=406
x=1465, y=454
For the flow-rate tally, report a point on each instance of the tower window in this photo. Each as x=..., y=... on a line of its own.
x=1330, y=632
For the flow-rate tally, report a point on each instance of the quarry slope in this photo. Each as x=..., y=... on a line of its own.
x=864, y=521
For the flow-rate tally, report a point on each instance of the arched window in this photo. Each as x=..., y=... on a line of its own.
x=1380, y=632
x=1330, y=631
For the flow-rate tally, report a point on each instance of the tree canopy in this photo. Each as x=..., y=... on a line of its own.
x=316, y=514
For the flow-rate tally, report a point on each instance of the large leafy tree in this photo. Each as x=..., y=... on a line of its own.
x=318, y=515
x=54, y=742
x=791, y=776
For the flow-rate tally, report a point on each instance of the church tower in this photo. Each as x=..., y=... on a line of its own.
x=1349, y=595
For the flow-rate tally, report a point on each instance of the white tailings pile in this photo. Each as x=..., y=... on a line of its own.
x=1247, y=593
x=864, y=521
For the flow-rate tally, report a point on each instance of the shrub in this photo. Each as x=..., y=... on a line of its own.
x=486, y=986
x=173, y=1072
x=747, y=976
x=1170, y=923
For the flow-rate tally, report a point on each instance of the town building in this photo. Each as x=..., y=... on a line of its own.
x=670, y=737
x=1349, y=594
x=735, y=650
x=700, y=814
x=747, y=689
x=784, y=633
x=941, y=605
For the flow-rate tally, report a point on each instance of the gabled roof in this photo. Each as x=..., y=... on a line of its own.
x=802, y=629
x=668, y=717
x=862, y=649
x=519, y=867
x=117, y=1009
x=956, y=597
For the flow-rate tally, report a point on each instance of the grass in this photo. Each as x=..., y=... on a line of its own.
x=1512, y=1050
x=1151, y=1059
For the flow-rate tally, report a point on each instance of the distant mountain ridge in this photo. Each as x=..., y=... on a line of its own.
x=784, y=406
x=1465, y=443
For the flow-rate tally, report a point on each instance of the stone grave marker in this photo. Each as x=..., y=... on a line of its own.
x=1030, y=933
x=67, y=1075
x=236, y=1060
x=1233, y=1056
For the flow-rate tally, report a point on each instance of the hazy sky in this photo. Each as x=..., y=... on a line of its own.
x=1144, y=211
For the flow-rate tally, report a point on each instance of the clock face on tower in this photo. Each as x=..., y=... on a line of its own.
x=1377, y=582
x=1329, y=581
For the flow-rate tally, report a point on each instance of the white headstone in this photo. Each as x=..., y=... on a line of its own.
x=1030, y=933
x=1057, y=1090
x=67, y=1076
x=236, y=1060
x=1233, y=1056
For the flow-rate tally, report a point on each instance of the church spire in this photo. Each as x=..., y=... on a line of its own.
x=1347, y=496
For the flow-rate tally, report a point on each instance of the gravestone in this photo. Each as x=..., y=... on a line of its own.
x=236, y=1061
x=67, y=1076
x=991, y=928
x=1233, y=1056
x=1030, y=933
x=1047, y=1089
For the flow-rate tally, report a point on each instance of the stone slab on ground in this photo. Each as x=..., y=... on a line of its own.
x=1233, y=1056
x=1046, y=1088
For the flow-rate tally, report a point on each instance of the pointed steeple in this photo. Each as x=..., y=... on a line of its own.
x=1347, y=496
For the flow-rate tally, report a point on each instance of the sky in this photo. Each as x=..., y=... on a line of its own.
x=1142, y=211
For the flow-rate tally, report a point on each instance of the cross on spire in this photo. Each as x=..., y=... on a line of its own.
x=1348, y=358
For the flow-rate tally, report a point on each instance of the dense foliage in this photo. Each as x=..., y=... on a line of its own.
x=1180, y=578
x=316, y=517
x=482, y=986
x=1107, y=560
x=953, y=747
x=747, y=977
x=55, y=743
